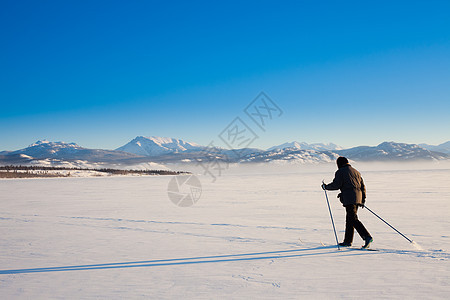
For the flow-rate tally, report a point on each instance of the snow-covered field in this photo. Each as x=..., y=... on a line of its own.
x=253, y=234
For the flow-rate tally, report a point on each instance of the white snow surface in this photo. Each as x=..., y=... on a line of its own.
x=254, y=234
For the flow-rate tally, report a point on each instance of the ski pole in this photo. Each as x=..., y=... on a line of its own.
x=331, y=216
x=389, y=225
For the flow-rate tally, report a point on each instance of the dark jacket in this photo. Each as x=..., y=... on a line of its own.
x=351, y=184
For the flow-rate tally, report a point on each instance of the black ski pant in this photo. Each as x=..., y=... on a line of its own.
x=352, y=222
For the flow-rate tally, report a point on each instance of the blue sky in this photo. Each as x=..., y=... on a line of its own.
x=99, y=73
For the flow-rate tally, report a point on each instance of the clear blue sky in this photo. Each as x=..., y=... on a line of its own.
x=99, y=73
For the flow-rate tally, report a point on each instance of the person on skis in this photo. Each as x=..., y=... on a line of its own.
x=352, y=195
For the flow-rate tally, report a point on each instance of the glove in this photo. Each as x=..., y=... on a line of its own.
x=339, y=197
x=362, y=204
x=323, y=186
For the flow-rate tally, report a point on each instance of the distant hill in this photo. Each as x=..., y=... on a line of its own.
x=290, y=156
x=444, y=147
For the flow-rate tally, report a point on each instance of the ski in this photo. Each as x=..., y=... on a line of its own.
x=363, y=249
x=351, y=248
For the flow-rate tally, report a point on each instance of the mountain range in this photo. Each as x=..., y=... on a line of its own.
x=156, y=152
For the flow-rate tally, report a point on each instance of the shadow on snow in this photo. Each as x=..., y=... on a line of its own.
x=189, y=260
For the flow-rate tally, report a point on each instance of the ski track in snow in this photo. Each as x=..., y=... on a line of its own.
x=186, y=261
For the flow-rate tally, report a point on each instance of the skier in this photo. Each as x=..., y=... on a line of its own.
x=352, y=195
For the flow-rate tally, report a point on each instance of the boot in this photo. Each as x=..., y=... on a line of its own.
x=368, y=240
x=344, y=244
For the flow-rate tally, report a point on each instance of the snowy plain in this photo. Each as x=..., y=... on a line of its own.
x=261, y=233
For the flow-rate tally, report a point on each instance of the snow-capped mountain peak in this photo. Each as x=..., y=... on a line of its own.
x=46, y=143
x=306, y=146
x=40, y=142
x=154, y=146
x=45, y=149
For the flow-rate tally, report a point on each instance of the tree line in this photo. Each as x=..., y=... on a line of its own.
x=43, y=171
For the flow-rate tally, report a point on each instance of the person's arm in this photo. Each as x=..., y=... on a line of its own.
x=337, y=182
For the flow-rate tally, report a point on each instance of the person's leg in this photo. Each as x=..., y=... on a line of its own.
x=349, y=223
x=359, y=226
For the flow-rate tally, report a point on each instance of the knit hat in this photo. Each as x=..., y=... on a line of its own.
x=341, y=161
